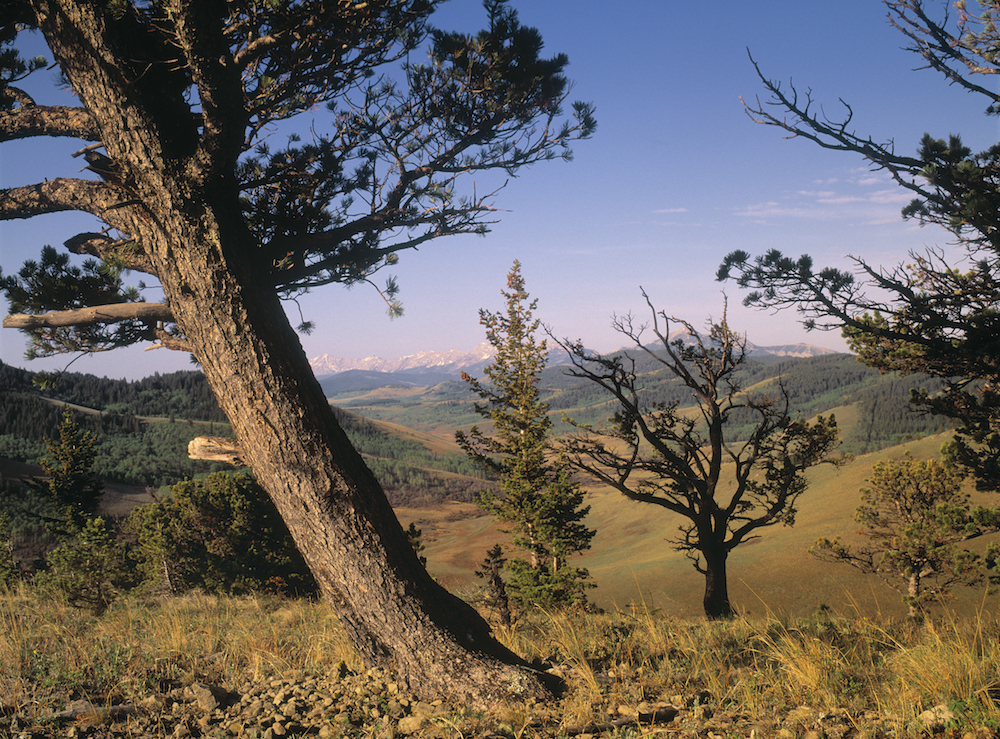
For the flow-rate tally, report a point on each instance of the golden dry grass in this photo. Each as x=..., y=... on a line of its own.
x=758, y=667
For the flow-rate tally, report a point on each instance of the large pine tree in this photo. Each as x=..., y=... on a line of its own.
x=936, y=311
x=178, y=101
x=536, y=497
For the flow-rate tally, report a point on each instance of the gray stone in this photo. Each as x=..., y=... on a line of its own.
x=937, y=717
x=410, y=724
x=208, y=697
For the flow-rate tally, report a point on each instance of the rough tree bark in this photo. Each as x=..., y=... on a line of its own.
x=176, y=198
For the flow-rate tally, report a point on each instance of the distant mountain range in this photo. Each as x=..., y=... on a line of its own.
x=430, y=368
x=453, y=361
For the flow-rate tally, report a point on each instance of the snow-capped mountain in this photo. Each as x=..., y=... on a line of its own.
x=790, y=350
x=781, y=350
x=451, y=360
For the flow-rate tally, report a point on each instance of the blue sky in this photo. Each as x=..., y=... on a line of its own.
x=676, y=177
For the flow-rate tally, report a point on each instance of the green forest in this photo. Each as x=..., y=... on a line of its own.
x=143, y=429
x=814, y=385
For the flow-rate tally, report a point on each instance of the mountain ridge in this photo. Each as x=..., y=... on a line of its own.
x=453, y=361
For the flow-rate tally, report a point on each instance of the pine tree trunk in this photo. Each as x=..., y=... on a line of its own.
x=913, y=591
x=396, y=615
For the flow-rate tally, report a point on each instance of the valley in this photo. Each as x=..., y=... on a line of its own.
x=407, y=436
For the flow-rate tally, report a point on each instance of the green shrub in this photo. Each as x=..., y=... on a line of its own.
x=221, y=535
x=9, y=571
x=91, y=570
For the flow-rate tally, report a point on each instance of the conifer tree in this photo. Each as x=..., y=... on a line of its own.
x=935, y=312
x=91, y=569
x=496, y=589
x=536, y=497
x=413, y=534
x=175, y=105
x=915, y=517
x=9, y=569
x=71, y=482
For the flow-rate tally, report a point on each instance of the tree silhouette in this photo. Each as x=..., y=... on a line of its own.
x=725, y=489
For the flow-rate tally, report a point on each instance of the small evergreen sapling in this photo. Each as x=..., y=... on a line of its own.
x=413, y=534
x=915, y=518
x=91, y=570
x=491, y=570
x=9, y=569
x=70, y=481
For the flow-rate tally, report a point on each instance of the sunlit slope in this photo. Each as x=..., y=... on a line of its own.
x=632, y=561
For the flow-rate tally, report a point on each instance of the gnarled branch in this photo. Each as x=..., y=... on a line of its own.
x=62, y=194
x=120, y=251
x=216, y=449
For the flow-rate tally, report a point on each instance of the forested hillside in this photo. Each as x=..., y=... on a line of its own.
x=131, y=449
x=144, y=426
x=143, y=429
x=175, y=395
x=878, y=404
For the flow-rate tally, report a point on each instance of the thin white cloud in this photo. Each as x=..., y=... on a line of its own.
x=671, y=210
x=834, y=199
x=891, y=196
x=776, y=210
x=861, y=198
x=818, y=194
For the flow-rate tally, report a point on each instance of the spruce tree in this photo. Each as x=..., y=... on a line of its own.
x=496, y=598
x=91, y=570
x=536, y=497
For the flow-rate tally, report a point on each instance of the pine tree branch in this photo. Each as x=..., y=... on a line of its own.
x=64, y=194
x=45, y=120
x=124, y=252
x=200, y=38
x=104, y=314
x=216, y=449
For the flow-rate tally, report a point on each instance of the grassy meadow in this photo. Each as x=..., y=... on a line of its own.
x=817, y=649
x=755, y=675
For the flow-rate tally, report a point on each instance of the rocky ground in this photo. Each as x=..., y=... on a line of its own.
x=369, y=704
